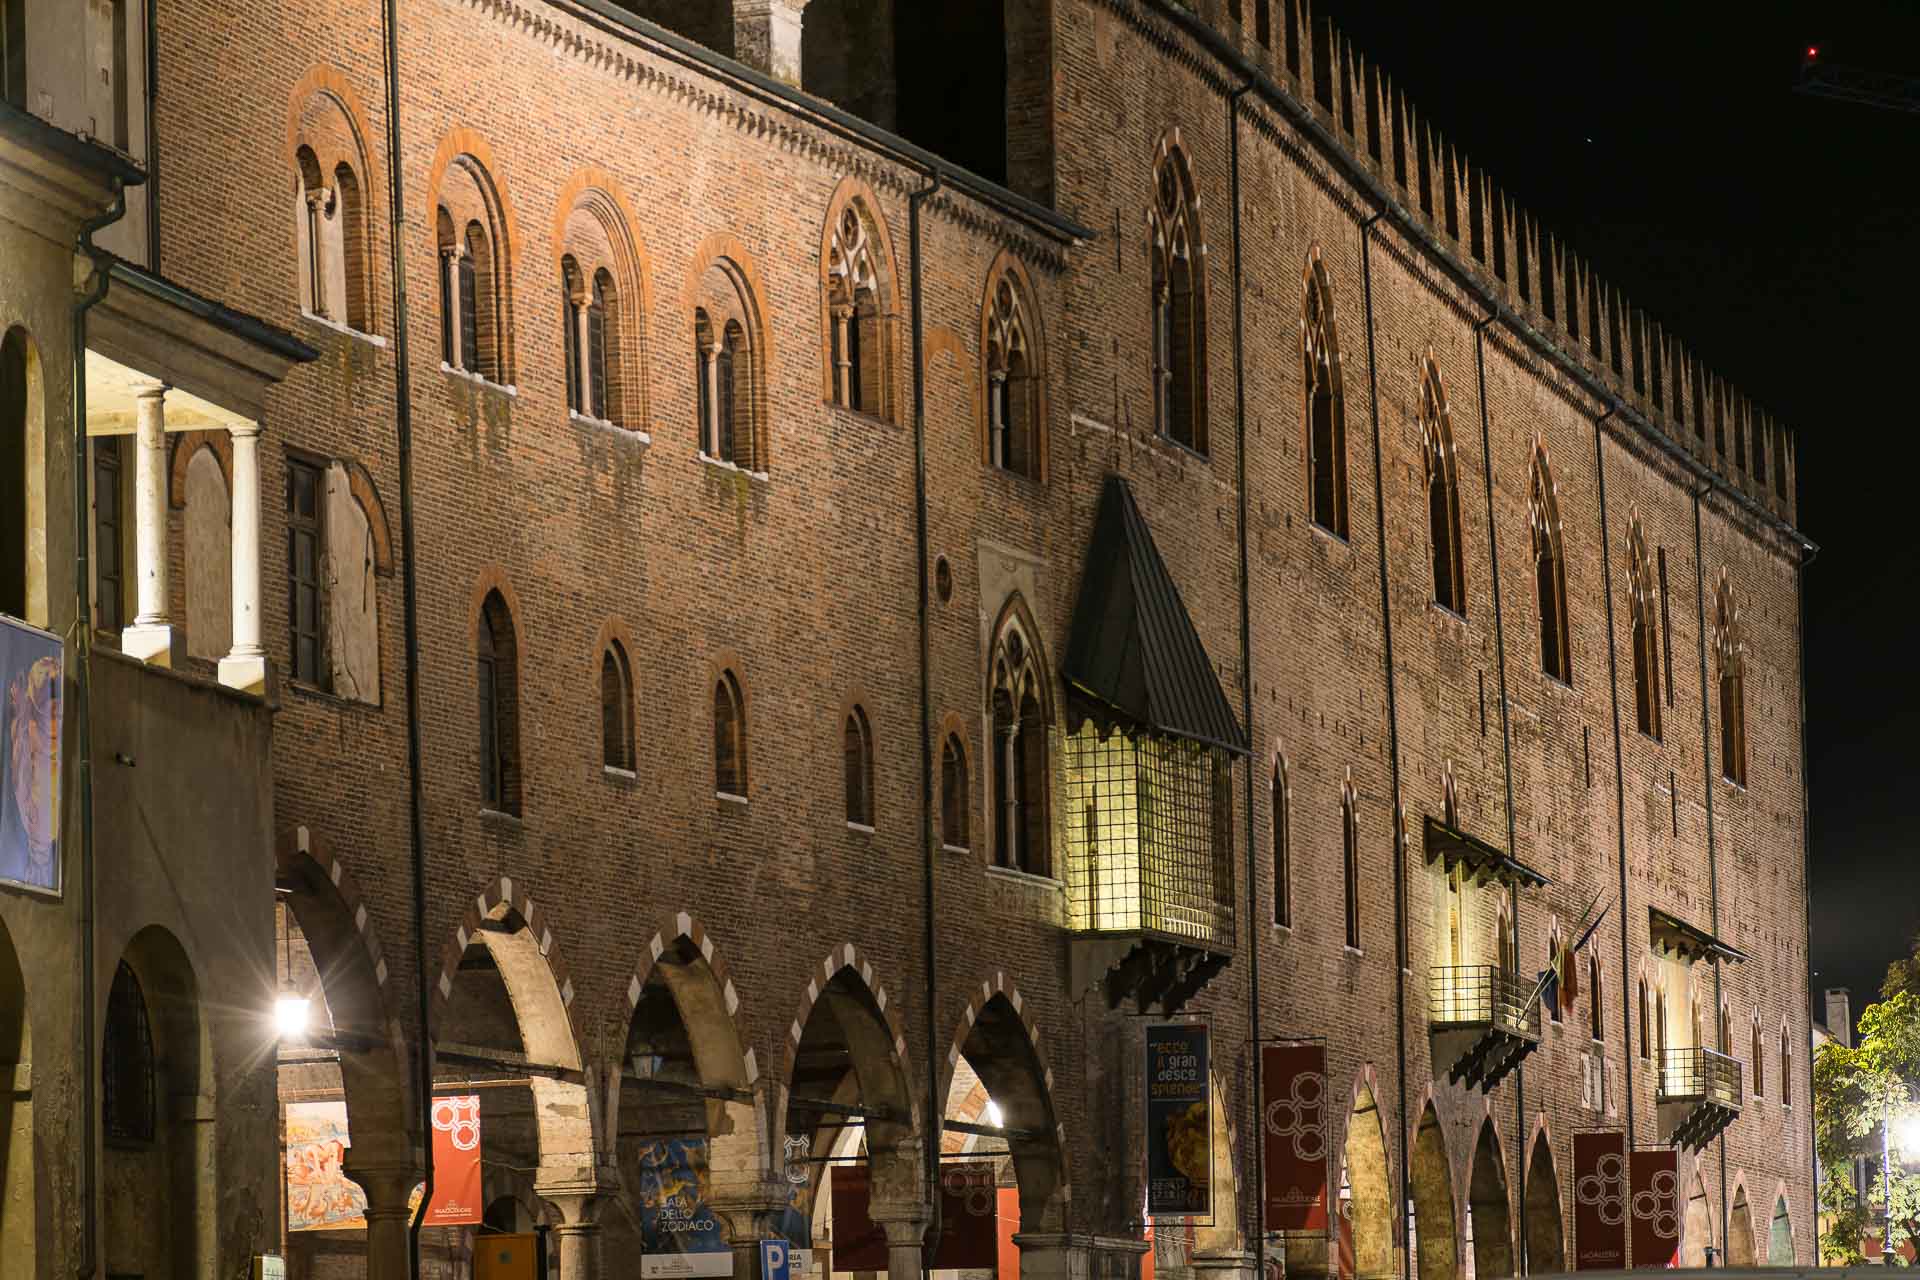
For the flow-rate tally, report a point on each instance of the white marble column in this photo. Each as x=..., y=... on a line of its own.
x=711, y=427
x=151, y=637
x=842, y=357
x=246, y=667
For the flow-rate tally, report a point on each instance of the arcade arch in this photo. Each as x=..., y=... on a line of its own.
x=17, y=1249
x=1438, y=1252
x=1696, y=1235
x=1740, y=1231
x=1491, y=1226
x=1545, y=1227
x=1370, y=1207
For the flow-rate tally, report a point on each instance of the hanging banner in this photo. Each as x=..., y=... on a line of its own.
x=1293, y=1109
x=31, y=671
x=457, y=1198
x=320, y=1196
x=1655, y=1208
x=1599, y=1201
x=679, y=1235
x=969, y=1220
x=1179, y=1122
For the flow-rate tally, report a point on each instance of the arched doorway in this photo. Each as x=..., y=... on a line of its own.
x=1487, y=1201
x=1368, y=1191
x=1546, y=1229
x=157, y=1160
x=23, y=480
x=17, y=1250
x=1696, y=1237
x=1438, y=1255
x=1780, y=1235
x=1740, y=1231
x=686, y=1122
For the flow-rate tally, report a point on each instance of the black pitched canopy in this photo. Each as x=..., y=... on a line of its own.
x=1133, y=646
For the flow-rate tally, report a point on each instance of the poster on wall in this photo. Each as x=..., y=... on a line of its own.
x=1599, y=1201
x=1655, y=1208
x=457, y=1197
x=679, y=1234
x=1293, y=1127
x=969, y=1220
x=320, y=1196
x=31, y=670
x=1179, y=1122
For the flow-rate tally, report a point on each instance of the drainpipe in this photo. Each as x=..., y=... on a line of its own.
x=1393, y=744
x=83, y=745
x=1506, y=738
x=936, y=1108
x=1619, y=778
x=410, y=596
x=1706, y=770
x=1806, y=869
x=1254, y=933
x=153, y=137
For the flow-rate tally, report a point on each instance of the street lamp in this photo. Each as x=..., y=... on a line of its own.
x=290, y=1016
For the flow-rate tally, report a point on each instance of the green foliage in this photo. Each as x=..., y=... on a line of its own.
x=1854, y=1090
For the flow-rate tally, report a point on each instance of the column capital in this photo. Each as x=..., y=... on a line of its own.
x=905, y=1222
x=246, y=430
x=388, y=1187
x=150, y=389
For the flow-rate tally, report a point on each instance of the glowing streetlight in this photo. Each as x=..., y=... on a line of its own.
x=1906, y=1134
x=290, y=1016
x=993, y=1114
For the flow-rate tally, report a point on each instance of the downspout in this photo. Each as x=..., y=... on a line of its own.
x=83, y=746
x=1806, y=873
x=1619, y=765
x=153, y=136
x=1254, y=933
x=1400, y=906
x=936, y=1107
x=410, y=597
x=1506, y=738
x=1706, y=771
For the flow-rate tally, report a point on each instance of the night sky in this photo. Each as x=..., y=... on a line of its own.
x=1776, y=234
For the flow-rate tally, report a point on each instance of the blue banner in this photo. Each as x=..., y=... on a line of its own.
x=1179, y=1122
x=30, y=689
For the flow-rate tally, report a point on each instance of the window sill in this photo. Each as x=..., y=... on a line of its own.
x=1554, y=684
x=1027, y=878
x=344, y=330
x=1644, y=736
x=860, y=827
x=1353, y=951
x=1016, y=477
x=1737, y=788
x=479, y=381
x=956, y=848
x=862, y=416
x=727, y=797
x=602, y=424
x=613, y=773
x=501, y=818
x=1162, y=438
x=1447, y=613
x=1315, y=527
x=1284, y=930
x=721, y=464
x=315, y=693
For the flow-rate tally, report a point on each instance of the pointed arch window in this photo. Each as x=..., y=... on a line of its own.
x=1443, y=496
x=858, y=312
x=1014, y=380
x=1644, y=618
x=857, y=766
x=729, y=738
x=1723, y=1029
x=126, y=1062
x=1596, y=1003
x=1282, y=846
x=1646, y=1022
x=330, y=218
x=1179, y=304
x=1325, y=413
x=956, y=808
x=1660, y=1023
x=1786, y=1069
x=1021, y=829
x=1732, y=654
x=498, y=683
x=1554, y=959
x=1350, y=861
x=1503, y=939
x=616, y=708
x=1759, y=1056
x=728, y=369
x=1549, y=570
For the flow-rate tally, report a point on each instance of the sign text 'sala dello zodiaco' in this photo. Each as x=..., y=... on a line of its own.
x=1179, y=1122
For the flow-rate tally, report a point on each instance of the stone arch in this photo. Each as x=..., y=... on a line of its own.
x=1221, y=1237
x=530, y=962
x=1369, y=1212
x=1490, y=1205
x=1780, y=1237
x=327, y=144
x=332, y=915
x=1001, y=1045
x=1432, y=1177
x=465, y=191
x=1740, y=1241
x=594, y=224
x=725, y=312
x=360, y=484
x=1696, y=1231
x=1546, y=1228
x=17, y=1210
x=23, y=478
x=855, y=195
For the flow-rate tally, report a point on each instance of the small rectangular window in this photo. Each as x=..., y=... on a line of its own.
x=305, y=549
x=109, y=577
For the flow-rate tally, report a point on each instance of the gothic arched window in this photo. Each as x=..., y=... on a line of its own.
x=729, y=737
x=616, y=708
x=1550, y=573
x=1732, y=653
x=1179, y=303
x=859, y=312
x=1443, y=496
x=126, y=1062
x=1282, y=846
x=1014, y=378
x=956, y=809
x=1644, y=617
x=1021, y=829
x=857, y=767
x=498, y=681
x=1325, y=412
x=1350, y=861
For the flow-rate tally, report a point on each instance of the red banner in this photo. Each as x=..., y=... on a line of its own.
x=1599, y=1201
x=456, y=1163
x=1655, y=1208
x=1293, y=1133
x=969, y=1224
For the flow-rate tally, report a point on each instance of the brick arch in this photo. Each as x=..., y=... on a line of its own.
x=322, y=79
x=846, y=957
x=615, y=628
x=352, y=898
x=597, y=195
x=493, y=578
x=185, y=445
x=470, y=142
x=1373, y=1189
x=686, y=926
x=360, y=485
x=495, y=894
x=850, y=191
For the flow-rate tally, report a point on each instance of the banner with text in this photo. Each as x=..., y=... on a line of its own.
x=1599, y=1201
x=1293, y=1109
x=679, y=1234
x=969, y=1221
x=1655, y=1208
x=1179, y=1122
x=457, y=1198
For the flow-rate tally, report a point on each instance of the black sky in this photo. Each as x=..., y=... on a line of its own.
x=1776, y=234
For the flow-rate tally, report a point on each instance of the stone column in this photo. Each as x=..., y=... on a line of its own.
x=577, y=1238
x=1054, y=1255
x=246, y=667
x=583, y=354
x=710, y=429
x=842, y=357
x=996, y=416
x=906, y=1228
x=766, y=36
x=1226, y=1266
x=388, y=1191
x=151, y=638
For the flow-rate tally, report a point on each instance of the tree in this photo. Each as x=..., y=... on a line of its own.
x=1854, y=1092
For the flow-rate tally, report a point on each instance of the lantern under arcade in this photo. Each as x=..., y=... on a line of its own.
x=1147, y=825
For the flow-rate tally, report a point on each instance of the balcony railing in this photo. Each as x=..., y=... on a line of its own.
x=1483, y=995
x=1700, y=1075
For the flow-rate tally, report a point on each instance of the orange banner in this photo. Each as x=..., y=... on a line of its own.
x=456, y=1163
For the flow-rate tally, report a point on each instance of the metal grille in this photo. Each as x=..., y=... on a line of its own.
x=1483, y=995
x=1686, y=1074
x=1149, y=840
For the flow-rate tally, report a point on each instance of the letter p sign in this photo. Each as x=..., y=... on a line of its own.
x=773, y=1260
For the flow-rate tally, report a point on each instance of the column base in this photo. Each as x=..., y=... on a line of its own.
x=158, y=644
x=249, y=673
